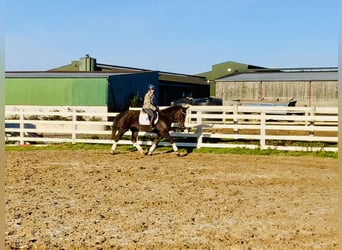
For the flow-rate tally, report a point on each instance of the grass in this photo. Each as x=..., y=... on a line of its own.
x=240, y=151
x=246, y=151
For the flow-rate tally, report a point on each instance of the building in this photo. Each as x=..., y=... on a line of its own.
x=224, y=69
x=87, y=83
x=308, y=86
x=170, y=86
x=98, y=89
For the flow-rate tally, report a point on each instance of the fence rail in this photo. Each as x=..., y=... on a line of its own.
x=282, y=128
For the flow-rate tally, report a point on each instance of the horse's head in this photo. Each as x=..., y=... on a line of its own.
x=177, y=114
x=180, y=115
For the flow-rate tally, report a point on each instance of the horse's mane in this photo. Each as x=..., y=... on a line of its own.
x=170, y=110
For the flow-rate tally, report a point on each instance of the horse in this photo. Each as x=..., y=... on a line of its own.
x=129, y=120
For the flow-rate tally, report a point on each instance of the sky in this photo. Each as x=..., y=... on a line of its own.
x=180, y=36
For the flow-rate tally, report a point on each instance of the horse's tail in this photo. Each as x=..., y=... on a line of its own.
x=115, y=125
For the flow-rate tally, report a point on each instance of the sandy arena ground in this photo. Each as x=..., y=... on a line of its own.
x=89, y=199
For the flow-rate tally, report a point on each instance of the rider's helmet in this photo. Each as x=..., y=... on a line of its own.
x=150, y=86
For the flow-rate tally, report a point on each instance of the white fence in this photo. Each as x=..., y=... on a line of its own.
x=282, y=128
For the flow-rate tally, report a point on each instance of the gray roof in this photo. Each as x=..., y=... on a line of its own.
x=283, y=76
x=44, y=74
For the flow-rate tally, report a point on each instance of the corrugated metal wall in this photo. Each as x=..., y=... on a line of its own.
x=56, y=91
x=307, y=93
x=122, y=88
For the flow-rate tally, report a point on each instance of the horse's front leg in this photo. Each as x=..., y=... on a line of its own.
x=174, y=146
x=112, y=150
x=167, y=136
x=154, y=145
x=135, y=141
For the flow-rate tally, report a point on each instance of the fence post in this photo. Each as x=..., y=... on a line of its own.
x=224, y=115
x=312, y=121
x=307, y=113
x=199, y=117
x=188, y=116
x=21, y=127
x=74, y=122
x=200, y=136
x=263, y=130
x=235, y=118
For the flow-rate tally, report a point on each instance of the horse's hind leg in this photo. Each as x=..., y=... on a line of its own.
x=116, y=138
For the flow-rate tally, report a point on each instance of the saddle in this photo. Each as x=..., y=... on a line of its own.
x=145, y=120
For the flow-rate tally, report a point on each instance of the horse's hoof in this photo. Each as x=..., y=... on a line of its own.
x=177, y=153
x=112, y=152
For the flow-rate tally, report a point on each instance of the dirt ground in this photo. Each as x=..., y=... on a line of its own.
x=90, y=199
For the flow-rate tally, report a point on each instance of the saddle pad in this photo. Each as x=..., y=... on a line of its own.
x=143, y=118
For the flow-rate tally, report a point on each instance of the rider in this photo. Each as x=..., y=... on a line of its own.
x=149, y=105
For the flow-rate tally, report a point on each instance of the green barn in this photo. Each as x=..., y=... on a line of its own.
x=75, y=89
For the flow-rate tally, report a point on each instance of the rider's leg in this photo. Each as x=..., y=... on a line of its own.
x=150, y=114
x=153, y=118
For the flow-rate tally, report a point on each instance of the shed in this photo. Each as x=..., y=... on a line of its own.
x=309, y=87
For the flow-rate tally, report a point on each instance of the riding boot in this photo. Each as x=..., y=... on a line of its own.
x=152, y=123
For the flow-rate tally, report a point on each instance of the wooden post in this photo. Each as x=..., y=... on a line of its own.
x=235, y=118
x=307, y=113
x=199, y=136
x=188, y=117
x=74, y=131
x=199, y=117
x=312, y=121
x=21, y=127
x=263, y=130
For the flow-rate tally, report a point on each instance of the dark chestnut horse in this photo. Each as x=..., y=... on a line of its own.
x=129, y=120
